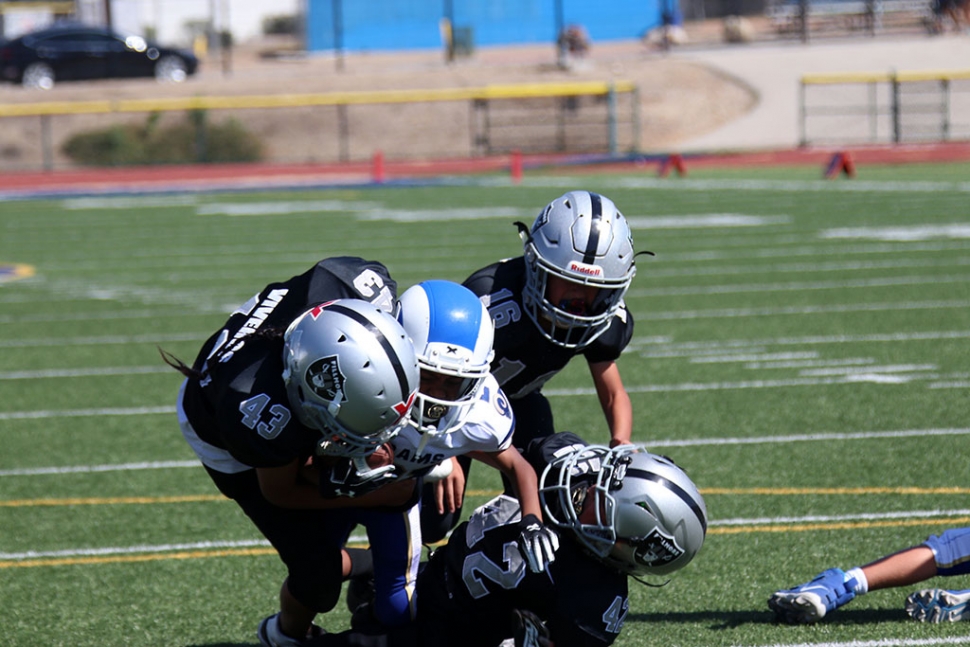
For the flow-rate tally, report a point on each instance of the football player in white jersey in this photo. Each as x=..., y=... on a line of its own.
x=460, y=411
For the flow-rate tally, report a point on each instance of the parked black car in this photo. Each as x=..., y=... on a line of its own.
x=76, y=52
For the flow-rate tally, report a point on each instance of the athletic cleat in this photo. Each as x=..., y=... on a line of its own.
x=270, y=635
x=938, y=605
x=360, y=590
x=809, y=602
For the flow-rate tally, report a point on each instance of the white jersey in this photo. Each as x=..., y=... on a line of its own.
x=487, y=428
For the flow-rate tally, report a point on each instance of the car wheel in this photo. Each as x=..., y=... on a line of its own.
x=38, y=75
x=170, y=69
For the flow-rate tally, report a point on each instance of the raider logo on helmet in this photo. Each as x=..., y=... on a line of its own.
x=325, y=379
x=656, y=549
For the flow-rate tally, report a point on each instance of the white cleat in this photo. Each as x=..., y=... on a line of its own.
x=938, y=605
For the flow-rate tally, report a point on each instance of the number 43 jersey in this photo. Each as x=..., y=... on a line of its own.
x=238, y=415
x=471, y=586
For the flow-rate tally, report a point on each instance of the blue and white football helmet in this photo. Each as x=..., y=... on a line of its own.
x=452, y=334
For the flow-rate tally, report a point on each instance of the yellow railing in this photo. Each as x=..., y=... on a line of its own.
x=490, y=92
x=886, y=107
x=885, y=77
x=478, y=97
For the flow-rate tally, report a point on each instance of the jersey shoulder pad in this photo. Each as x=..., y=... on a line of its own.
x=500, y=511
x=353, y=277
x=543, y=451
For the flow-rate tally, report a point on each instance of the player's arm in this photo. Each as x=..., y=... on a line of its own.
x=449, y=492
x=288, y=487
x=614, y=400
x=511, y=463
x=538, y=543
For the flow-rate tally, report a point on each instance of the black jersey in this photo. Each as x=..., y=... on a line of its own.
x=470, y=587
x=524, y=359
x=240, y=402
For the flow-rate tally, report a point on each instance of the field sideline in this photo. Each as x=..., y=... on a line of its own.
x=800, y=349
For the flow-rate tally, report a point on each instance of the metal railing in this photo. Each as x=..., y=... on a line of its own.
x=887, y=107
x=537, y=104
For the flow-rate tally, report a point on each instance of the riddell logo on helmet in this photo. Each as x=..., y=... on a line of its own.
x=588, y=270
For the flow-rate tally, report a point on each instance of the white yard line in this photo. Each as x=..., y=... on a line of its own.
x=681, y=442
x=880, y=642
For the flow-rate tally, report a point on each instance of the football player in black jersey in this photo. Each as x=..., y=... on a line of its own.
x=314, y=368
x=562, y=298
x=621, y=513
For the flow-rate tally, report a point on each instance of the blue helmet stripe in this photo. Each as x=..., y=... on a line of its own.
x=455, y=314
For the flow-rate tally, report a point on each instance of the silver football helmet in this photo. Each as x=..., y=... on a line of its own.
x=582, y=238
x=351, y=372
x=637, y=512
x=452, y=334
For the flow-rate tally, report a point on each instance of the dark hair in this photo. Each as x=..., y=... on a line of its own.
x=271, y=333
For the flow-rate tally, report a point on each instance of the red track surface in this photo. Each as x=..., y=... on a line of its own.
x=252, y=176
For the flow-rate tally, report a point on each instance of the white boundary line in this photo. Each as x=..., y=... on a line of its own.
x=688, y=442
x=824, y=437
x=798, y=286
x=872, y=516
x=881, y=642
x=84, y=413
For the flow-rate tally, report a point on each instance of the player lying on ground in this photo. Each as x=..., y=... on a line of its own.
x=946, y=554
x=620, y=512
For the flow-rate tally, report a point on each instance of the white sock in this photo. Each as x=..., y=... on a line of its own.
x=861, y=583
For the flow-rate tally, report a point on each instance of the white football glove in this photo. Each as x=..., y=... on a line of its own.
x=538, y=543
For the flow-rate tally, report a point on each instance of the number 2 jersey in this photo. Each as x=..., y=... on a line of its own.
x=238, y=415
x=470, y=587
x=524, y=359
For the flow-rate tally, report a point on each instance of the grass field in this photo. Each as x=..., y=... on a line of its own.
x=800, y=348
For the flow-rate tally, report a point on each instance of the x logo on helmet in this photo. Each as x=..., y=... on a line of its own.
x=402, y=407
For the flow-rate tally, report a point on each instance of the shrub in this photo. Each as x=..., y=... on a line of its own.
x=190, y=141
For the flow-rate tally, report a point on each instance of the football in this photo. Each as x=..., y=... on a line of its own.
x=382, y=456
